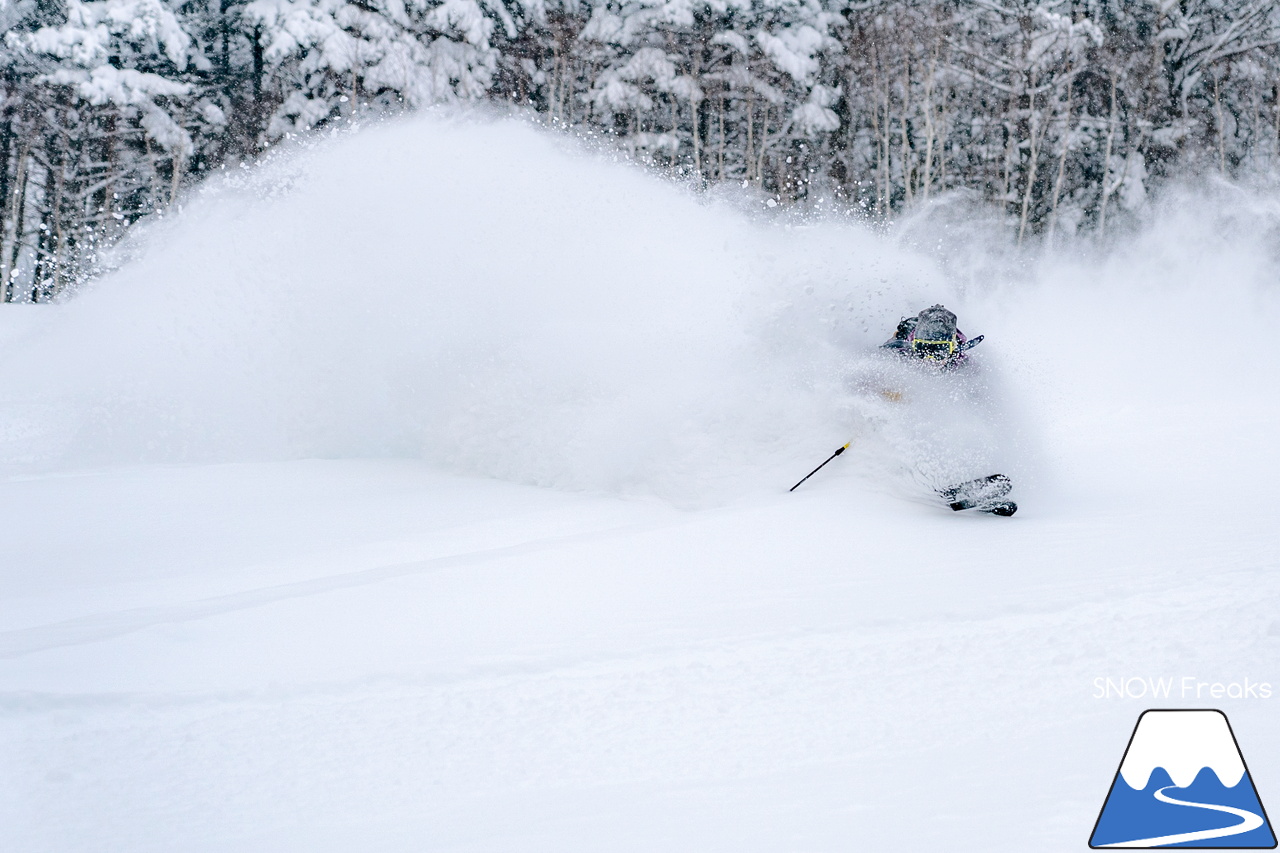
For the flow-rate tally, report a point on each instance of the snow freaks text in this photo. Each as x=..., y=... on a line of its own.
x=1183, y=687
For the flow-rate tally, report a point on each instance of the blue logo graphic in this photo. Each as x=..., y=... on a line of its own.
x=1183, y=783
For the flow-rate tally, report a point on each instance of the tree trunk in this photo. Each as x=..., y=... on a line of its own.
x=929, y=131
x=6, y=187
x=224, y=33
x=1106, y=160
x=907, y=164
x=1062, y=166
x=764, y=143
x=258, y=66
x=720, y=153
x=1031, y=166
x=1222, y=137
x=17, y=215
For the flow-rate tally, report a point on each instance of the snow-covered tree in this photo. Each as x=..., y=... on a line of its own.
x=109, y=122
x=1066, y=114
x=332, y=58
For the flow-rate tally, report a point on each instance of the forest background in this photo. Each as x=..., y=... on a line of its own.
x=1063, y=115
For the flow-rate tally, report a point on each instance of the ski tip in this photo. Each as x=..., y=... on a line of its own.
x=1003, y=508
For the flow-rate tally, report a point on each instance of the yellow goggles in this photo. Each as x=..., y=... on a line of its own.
x=935, y=349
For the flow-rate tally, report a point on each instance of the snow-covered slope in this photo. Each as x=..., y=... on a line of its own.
x=392, y=501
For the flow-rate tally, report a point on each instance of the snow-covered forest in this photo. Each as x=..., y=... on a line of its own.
x=1065, y=114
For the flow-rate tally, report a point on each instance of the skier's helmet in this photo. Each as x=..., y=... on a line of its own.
x=935, y=336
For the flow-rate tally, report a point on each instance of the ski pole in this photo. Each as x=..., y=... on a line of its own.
x=819, y=468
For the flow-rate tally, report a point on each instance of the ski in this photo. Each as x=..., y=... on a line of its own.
x=981, y=494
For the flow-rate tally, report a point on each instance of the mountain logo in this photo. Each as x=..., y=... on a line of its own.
x=1183, y=783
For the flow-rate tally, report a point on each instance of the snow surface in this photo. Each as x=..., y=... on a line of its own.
x=427, y=491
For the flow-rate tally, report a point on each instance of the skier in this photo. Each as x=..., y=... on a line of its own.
x=932, y=336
